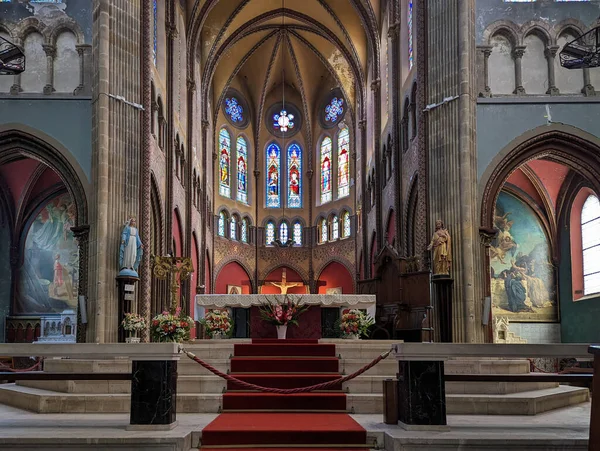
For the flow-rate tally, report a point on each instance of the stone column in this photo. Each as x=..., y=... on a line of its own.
x=16, y=87
x=81, y=53
x=517, y=55
x=50, y=54
x=587, y=90
x=395, y=154
x=81, y=235
x=205, y=217
x=550, y=54
x=362, y=126
x=487, y=52
x=376, y=89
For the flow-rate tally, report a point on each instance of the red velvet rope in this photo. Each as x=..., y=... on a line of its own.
x=24, y=370
x=284, y=391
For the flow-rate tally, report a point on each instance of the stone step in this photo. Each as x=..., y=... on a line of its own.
x=524, y=403
x=486, y=366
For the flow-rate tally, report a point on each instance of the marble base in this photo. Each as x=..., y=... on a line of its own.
x=153, y=392
x=423, y=427
x=421, y=393
x=152, y=427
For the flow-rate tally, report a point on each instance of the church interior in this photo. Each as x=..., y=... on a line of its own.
x=433, y=164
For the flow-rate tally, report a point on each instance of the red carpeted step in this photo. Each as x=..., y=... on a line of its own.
x=284, y=350
x=287, y=340
x=283, y=428
x=254, y=448
x=284, y=365
x=284, y=380
x=273, y=401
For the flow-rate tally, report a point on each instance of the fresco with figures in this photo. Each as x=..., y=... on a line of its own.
x=522, y=275
x=48, y=274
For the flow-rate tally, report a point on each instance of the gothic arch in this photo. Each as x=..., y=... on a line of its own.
x=290, y=265
x=225, y=262
x=342, y=261
x=65, y=24
x=506, y=28
x=539, y=28
x=567, y=145
x=17, y=140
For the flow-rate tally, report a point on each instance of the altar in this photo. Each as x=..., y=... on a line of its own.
x=309, y=323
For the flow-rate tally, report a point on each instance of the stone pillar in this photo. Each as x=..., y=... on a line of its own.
x=378, y=185
x=81, y=235
x=81, y=53
x=16, y=87
x=487, y=52
x=117, y=150
x=550, y=54
x=205, y=216
x=587, y=90
x=50, y=54
x=517, y=55
x=362, y=126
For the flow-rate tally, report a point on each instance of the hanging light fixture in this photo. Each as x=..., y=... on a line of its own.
x=284, y=121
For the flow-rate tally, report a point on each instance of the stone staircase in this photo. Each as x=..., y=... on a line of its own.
x=201, y=392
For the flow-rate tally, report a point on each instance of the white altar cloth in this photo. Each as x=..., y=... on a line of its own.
x=359, y=301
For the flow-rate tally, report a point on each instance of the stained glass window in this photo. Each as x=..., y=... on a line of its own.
x=283, y=232
x=323, y=230
x=346, y=224
x=411, y=55
x=242, y=170
x=326, y=191
x=590, y=243
x=234, y=110
x=233, y=228
x=283, y=121
x=335, y=228
x=343, y=163
x=221, y=228
x=294, y=167
x=155, y=48
x=270, y=233
x=273, y=173
x=244, y=231
x=298, y=234
x=334, y=109
x=224, y=163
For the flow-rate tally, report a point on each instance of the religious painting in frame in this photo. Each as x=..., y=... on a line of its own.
x=234, y=289
x=336, y=290
x=48, y=275
x=523, y=278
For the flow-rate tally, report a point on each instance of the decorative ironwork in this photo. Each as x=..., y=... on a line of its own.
x=12, y=58
x=582, y=52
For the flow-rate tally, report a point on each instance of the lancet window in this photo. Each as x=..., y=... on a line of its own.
x=343, y=163
x=224, y=163
x=590, y=242
x=242, y=170
x=326, y=185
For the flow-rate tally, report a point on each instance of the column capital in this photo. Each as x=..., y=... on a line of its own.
x=376, y=85
x=486, y=50
x=171, y=29
x=551, y=51
x=310, y=173
x=394, y=29
x=80, y=50
x=191, y=84
x=205, y=124
x=256, y=173
x=518, y=52
x=362, y=124
x=487, y=235
x=49, y=49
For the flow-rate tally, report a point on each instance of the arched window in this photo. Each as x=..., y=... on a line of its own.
x=343, y=163
x=326, y=163
x=283, y=232
x=222, y=221
x=233, y=228
x=224, y=163
x=155, y=22
x=297, y=233
x=242, y=170
x=590, y=242
x=294, y=167
x=273, y=176
x=346, y=224
x=323, y=230
x=409, y=20
x=335, y=228
x=244, y=231
x=270, y=233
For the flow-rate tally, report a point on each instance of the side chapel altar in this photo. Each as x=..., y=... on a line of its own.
x=309, y=323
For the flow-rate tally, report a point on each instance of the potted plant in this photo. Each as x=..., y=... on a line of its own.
x=218, y=323
x=282, y=314
x=133, y=323
x=355, y=323
x=171, y=326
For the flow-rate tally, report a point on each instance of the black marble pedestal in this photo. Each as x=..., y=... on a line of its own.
x=442, y=293
x=153, y=392
x=421, y=393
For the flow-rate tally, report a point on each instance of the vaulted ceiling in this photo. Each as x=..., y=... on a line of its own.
x=297, y=42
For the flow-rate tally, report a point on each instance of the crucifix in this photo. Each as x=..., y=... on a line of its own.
x=284, y=285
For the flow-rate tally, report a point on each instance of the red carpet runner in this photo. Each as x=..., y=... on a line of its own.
x=317, y=420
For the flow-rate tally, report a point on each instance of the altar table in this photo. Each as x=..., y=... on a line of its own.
x=310, y=322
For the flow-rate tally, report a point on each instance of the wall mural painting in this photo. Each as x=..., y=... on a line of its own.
x=522, y=276
x=48, y=277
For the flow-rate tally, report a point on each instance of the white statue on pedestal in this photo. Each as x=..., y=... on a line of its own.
x=131, y=250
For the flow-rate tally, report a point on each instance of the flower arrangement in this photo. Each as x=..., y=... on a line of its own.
x=218, y=322
x=133, y=323
x=171, y=326
x=282, y=314
x=355, y=323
